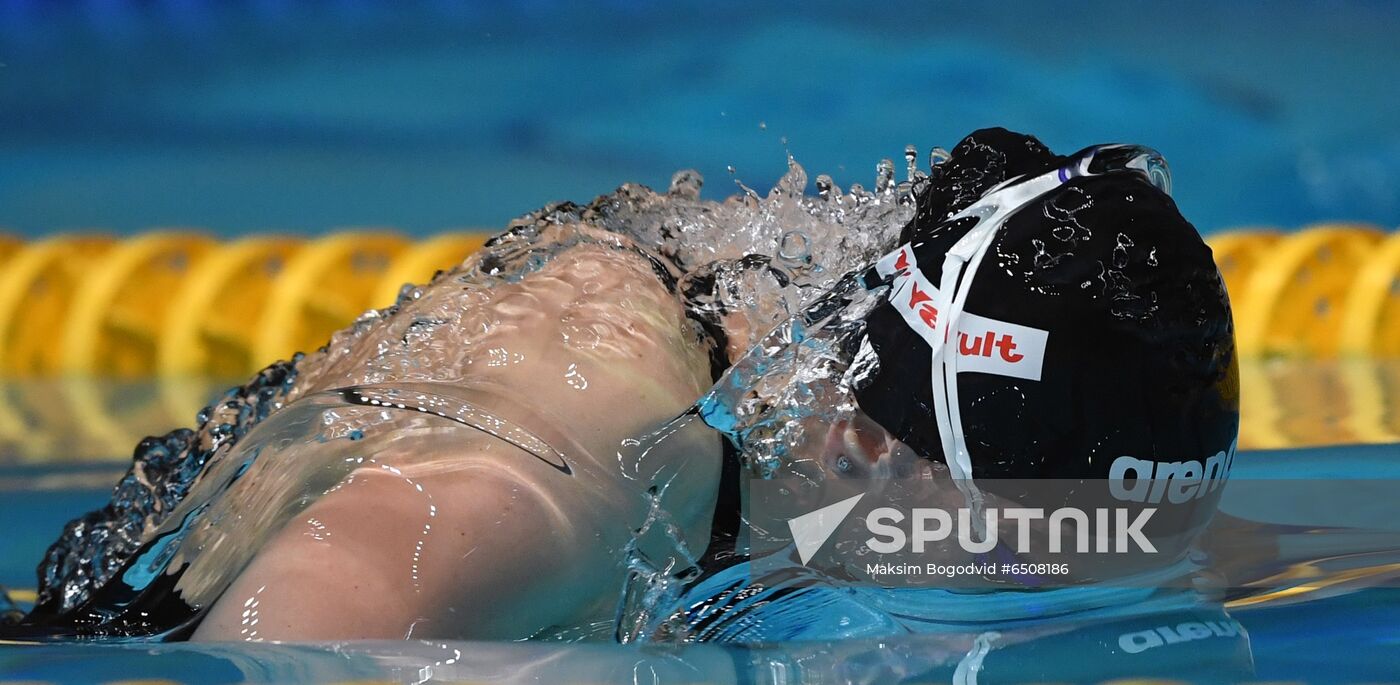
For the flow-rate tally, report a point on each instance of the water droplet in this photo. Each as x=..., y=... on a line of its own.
x=826, y=188
x=793, y=247
x=937, y=156
x=793, y=183
x=884, y=176
x=763, y=126
x=911, y=161
x=574, y=378
x=686, y=184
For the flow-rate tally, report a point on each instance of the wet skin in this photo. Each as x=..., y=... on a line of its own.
x=470, y=537
x=475, y=538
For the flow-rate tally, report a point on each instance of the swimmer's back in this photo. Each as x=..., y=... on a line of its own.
x=476, y=538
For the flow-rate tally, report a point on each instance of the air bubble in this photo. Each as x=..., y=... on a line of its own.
x=793, y=247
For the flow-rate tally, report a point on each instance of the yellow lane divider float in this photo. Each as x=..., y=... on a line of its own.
x=37, y=286
x=324, y=287
x=1238, y=252
x=1291, y=304
x=206, y=330
x=9, y=245
x=206, y=333
x=115, y=323
x=417, y=264
x=1370, y=323
x=86, y=323
x=178, y=303
x=118, y=314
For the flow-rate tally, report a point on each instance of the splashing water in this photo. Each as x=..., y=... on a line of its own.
x=749, y=262
x=578, y=326
x=783, y=403
x=739, y=267
x=92, y=548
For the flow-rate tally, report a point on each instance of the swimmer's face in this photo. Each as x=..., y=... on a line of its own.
x=860, y=448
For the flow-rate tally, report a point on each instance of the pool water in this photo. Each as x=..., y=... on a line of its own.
x=426, y=115
x=452, y=115
x=1307, y=550
x=1320, y=605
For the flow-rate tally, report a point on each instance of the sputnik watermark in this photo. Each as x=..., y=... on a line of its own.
x=1100, y=530
x=922, y=532
x=928, y=525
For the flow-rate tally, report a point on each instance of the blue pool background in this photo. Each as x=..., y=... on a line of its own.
x=1345, y=634
x=430, y=114
x=424, y=115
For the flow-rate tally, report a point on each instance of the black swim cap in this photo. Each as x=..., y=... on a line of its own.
x=1092, y=338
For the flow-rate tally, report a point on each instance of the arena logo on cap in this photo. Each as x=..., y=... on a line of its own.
x=984, y=345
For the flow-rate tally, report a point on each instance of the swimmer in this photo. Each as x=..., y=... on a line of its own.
x=1046, y=318
x=598, y=348
x=478, y=538
x=565, y=332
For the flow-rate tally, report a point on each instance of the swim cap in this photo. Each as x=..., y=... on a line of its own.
x=1053, y=317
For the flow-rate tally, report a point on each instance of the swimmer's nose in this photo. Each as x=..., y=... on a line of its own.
x=858, y=439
